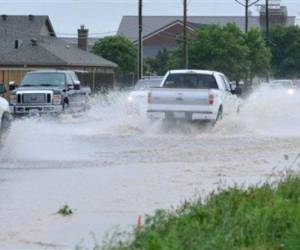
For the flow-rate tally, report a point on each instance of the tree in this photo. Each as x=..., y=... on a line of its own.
x=119, y=50
x=227, y=49
x=222, y=49
x=259, y=55
x=160, y=64
x=285, y=47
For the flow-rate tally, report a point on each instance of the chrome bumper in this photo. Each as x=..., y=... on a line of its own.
x=181, y=115
x=23, y=110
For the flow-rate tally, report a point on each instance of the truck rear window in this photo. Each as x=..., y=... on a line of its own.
x=190, y=81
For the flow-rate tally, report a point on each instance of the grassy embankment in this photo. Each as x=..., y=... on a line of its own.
x=266, y=217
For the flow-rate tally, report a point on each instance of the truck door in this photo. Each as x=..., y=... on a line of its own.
x=233, y=98
x=224, y=93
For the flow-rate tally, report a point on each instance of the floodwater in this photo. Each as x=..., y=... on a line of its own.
x=111, y=166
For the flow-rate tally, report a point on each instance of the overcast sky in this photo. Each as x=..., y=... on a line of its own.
x=103, y=16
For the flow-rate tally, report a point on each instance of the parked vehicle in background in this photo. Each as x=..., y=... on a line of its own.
x=5, y=116
x=287, y=85
x=193, y=95
x=137, y=98
x=46, y=92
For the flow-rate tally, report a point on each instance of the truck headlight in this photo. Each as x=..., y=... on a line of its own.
x=291, y=91
x=56, y=99
x=13, y=99
x=130, y=99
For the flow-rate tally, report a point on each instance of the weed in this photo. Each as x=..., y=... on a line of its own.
x=65, y=211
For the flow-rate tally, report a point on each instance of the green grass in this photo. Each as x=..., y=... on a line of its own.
x=266, y=217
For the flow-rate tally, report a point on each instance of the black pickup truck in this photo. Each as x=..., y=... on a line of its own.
x=45, y=92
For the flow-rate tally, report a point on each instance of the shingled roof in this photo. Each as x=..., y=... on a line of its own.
x=52, y=51
x=153, y=23
x=25, y=26
x=39, y=46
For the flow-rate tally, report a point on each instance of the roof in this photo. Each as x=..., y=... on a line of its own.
x=154, y=23
x=190, y=26
x=24, y=26
x=48, y=51
x=73, y=40
x=52, y=51
x=24, y=29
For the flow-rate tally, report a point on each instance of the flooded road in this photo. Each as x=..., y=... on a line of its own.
x=111, y=167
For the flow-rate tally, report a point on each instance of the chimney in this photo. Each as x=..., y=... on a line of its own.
x=31, y=17
x=83, y=34
x=4, y=17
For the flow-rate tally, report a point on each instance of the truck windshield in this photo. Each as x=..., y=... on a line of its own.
x=147, y=84
x=191, y=81
x=44, y=79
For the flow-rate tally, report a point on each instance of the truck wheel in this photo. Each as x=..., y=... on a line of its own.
x=219, y=117
x=5, y=123
x=65, y=105
x=220, y=114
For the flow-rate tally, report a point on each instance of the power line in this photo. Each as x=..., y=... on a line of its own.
x=247, y=4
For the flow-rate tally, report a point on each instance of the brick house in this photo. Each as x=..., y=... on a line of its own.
x=161, y=31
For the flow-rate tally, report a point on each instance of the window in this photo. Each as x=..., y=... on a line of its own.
x=226, y=83
x=191, y=81
x=147, y=84
x=44, y=79
x=69, y=80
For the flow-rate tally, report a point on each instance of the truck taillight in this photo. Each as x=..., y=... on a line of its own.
x=149, y=97
x=211, y=99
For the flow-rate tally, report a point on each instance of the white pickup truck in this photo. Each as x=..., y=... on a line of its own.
x=193, y=95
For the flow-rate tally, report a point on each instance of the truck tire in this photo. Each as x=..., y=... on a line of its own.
x=219, y=116
x=5, y=124
x=65, y=104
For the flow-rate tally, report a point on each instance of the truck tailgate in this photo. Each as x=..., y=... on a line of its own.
x=178, y=99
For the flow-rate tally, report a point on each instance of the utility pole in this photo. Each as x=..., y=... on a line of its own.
x=247, y=4
x=267, y=22
x=140, y=43
x=246, y=15
x=185, y=48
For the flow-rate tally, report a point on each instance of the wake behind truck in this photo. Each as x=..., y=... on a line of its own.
x=48, y=92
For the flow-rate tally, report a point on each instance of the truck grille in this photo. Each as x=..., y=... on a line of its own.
x=33, y=98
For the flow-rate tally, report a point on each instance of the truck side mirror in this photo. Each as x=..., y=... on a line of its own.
x=12, y=85
x=76, y=85
x=237, y=91
x=2, y=88
x=70, y=87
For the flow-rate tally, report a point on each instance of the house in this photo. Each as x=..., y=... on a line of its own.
x=30, y=43
x=161, y=31
x=165, y=37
